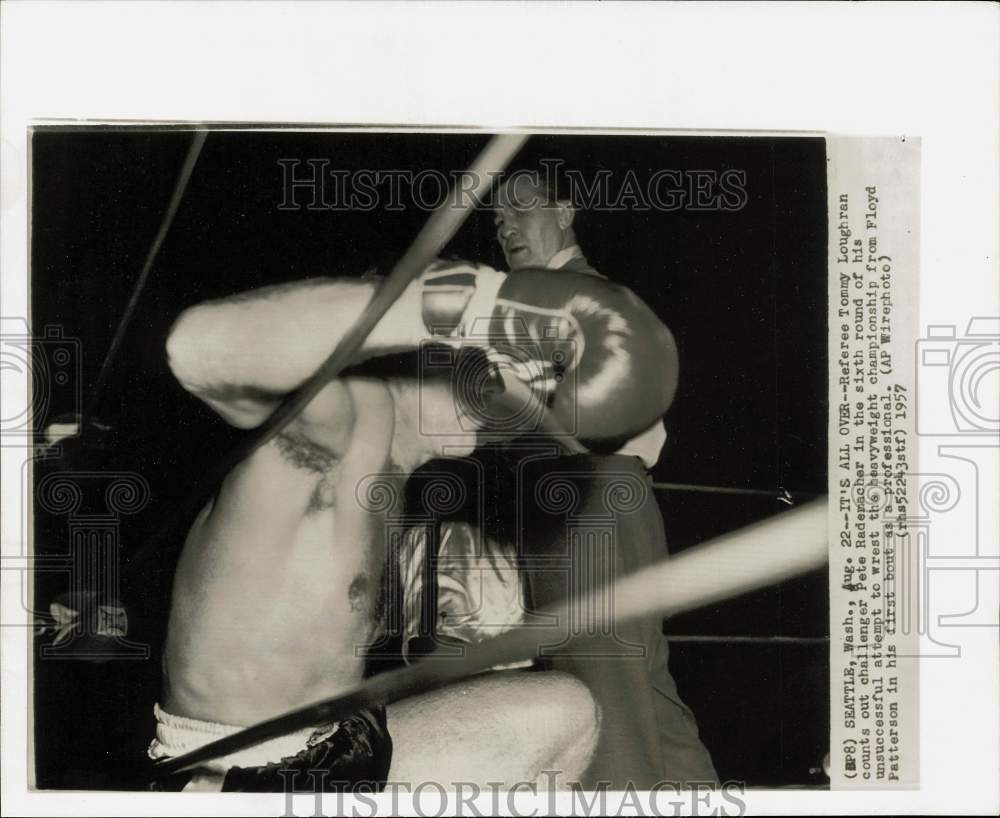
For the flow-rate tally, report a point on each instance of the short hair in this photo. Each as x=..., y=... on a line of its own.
x=552, y=184
x=549, y=184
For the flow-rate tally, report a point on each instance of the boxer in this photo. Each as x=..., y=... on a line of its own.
x=278, y=584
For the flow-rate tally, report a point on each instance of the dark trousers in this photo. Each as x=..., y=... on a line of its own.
x=583, y=521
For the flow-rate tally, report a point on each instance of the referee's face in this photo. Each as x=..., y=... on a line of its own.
x=530, y=229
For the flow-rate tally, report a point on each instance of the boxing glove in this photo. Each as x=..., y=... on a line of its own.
x=590, y=350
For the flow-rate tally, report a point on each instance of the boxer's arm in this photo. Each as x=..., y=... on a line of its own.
x=241, y=354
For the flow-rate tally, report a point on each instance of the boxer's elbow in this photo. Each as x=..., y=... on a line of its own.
x=188, y=349
x=243, y=413
x=180, y=348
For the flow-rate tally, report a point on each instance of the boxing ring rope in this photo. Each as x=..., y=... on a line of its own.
x=782, y=495
x=194, y=151
x=748, y=640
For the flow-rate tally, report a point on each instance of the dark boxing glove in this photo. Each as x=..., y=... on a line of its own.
x=595, y=354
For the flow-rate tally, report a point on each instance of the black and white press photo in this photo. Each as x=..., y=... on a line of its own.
x=498, y=408
x=353, y=413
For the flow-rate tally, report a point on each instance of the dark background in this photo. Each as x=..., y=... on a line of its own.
x=744, y=293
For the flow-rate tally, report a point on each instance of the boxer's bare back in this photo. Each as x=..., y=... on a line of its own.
x=279, y=584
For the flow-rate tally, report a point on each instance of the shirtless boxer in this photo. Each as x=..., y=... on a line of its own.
x=278, y=583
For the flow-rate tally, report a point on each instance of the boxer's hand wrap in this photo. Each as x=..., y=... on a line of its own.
x=597, y=356
x=456, y=295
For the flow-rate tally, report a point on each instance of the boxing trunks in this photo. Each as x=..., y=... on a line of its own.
x=466, y=590
x=347, y=756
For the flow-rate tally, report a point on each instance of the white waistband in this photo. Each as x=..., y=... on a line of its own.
x=176, y=735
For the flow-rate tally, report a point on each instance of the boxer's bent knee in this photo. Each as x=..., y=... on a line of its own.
x=506, y=726
x=556, y=724
x=576, y=700
x=569, y=718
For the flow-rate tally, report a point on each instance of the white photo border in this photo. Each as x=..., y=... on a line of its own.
x=925, y=70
